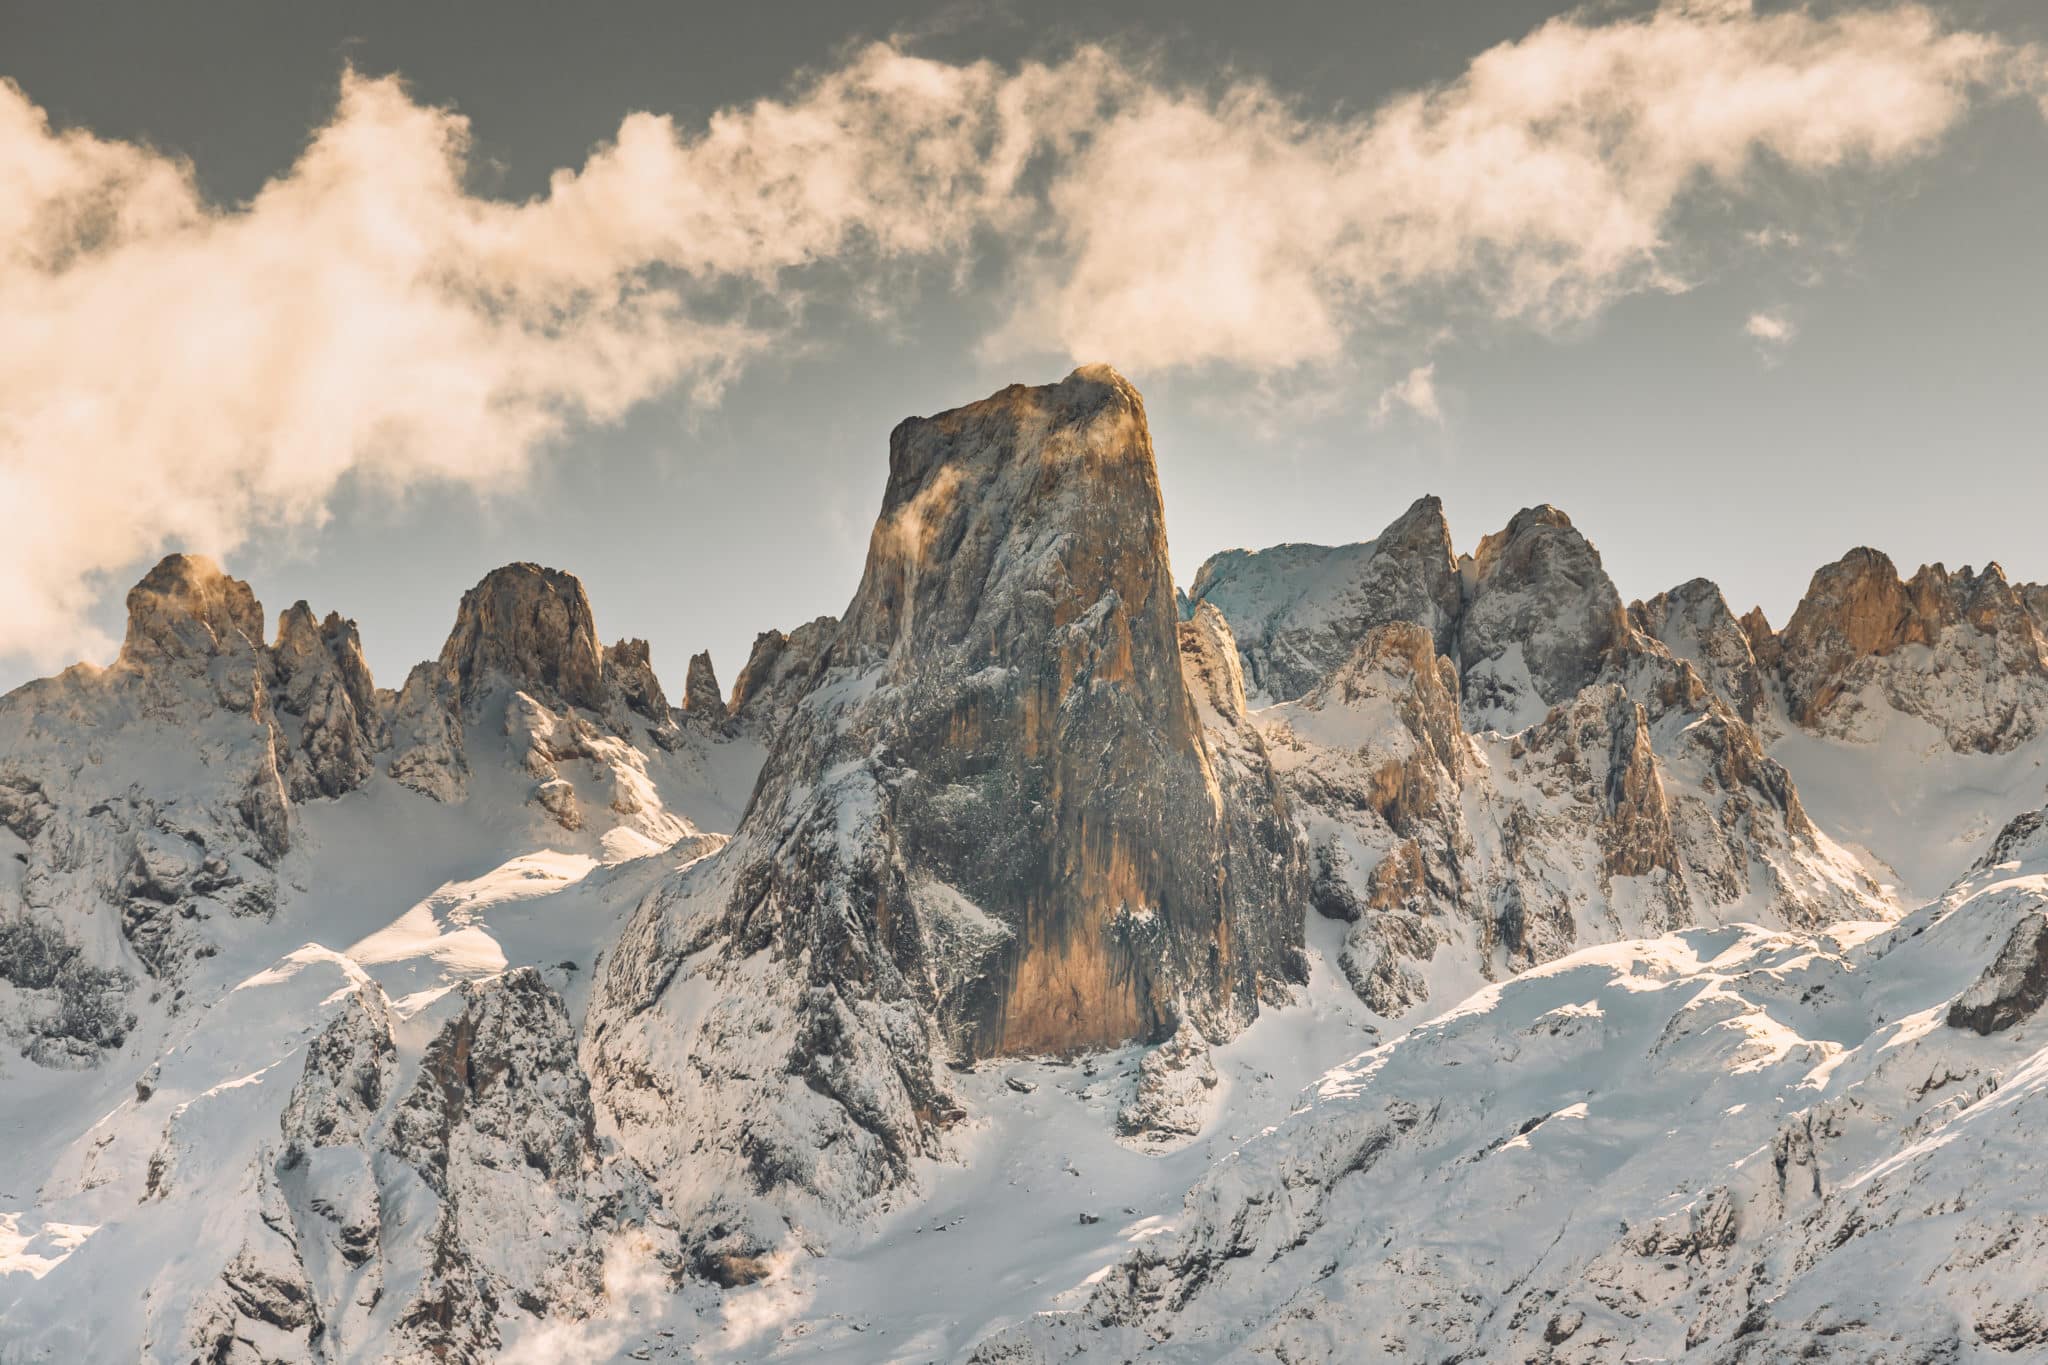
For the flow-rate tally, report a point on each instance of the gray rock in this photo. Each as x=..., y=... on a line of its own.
x=992, y=825
x=1299, y=610
x=2013, y=988
x=531, y=627
x=1980, y=675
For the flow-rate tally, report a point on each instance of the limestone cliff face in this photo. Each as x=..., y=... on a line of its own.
x=1018, y=609
x=701, y=695
x=1267, y=856
x=589, y=728
x=1376, y=761
x=1299, y=610
x=1963, y=652
x=629, y=669
x=2035, y=595
x=1564, y=771
x=1694, y=623
x=185, y=611
x=1541, y=622
x=523, y=630
x=778, y=672
x=532, y=626
x=324, y=686
x=993, y=824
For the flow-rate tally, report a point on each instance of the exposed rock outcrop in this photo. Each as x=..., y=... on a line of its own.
x=186, y=615
x=1961, y=651
x=325, y=691
x=1542, y=621
x=993, y=824
x=2013, y=988
x=1694, y=623
x=528, y=626
x=778, y=672
x=702, y=698
x=630, y=682
x=409, y=1225
x=1299, y=610
x=1610, y=790
x=590, y=728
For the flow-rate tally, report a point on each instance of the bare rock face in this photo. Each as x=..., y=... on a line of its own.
x=1542, y=620
x=427, y=736
x=2013, y=988
x=410, y=1223
x=2024, y=836
x=1617, y=792
x=629, y=675
x=532, y=627
x=2035, y=595
x=1585, y=775
x=993, y=825
x=1960, y=651
x=187, y=613
x=324, y=691
x=522, y=682
x=111, y=879
x=778, y=672
x=1299, y=610
x=1376, y=760
x=1176, y=1082
x=1693, y=622
x=1267, y=857
x=702, y=698
x=1019, y=614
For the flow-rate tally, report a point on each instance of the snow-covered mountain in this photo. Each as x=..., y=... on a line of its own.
x=1379, y=953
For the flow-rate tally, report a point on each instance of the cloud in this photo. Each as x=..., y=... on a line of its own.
x=183, y=373
x=1536, y=188
x=1770, y=330
x=1416, y=392
x=180, y=373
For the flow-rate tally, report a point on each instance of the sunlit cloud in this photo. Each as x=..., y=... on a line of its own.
x=1770, y=330
x=1415, y=393
x=184, y=373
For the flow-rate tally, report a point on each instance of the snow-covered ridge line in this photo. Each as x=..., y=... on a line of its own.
x=518, y=1013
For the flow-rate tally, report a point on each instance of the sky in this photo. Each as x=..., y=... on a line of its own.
x=366, y=300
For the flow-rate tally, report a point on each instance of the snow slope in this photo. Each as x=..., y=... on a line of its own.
x=953, y=992
x=1725, y=1143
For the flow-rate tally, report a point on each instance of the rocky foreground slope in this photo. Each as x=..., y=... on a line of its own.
x=518, y=1013
x=1722, y=1145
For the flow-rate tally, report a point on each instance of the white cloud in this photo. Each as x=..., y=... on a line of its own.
x=1770, y=330
x=182, y=373
x=1537, y=187
x=178, y=374
x=1416, y=392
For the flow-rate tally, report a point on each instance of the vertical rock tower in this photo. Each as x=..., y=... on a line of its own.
x=1045, y=760
x=992, y=825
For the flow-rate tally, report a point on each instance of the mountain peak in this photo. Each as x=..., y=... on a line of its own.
x=187, y=607
x=1542, y=619
x=702, y=696
x=531, y=626
x=966, y=485
x=1989, y=689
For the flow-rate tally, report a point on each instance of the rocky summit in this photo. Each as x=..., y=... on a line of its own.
x=994, y=823
x=1377, y=952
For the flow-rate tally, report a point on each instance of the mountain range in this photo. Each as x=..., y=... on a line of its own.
x=1373, y=952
